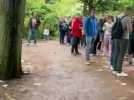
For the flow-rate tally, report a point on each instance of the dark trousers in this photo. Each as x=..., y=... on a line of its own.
x=95, y=43
x=94, y=48
x=83, y=41
x=120, y=47
x=112, y=53
x=75, y=43
x=62, y=36
x=69, y=38
x=131, y=47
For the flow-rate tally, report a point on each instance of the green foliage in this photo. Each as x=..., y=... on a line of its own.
x=52, y=10
x=104, y=6
x=51, y=21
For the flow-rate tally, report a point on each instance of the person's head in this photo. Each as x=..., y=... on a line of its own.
x=33, y=14
x=93, y=12
x=109, y=19
x=128, y=11
x=112, y=18
x=106, y=18
x=63, y=19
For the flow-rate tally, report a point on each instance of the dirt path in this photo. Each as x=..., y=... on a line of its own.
x=57, y=75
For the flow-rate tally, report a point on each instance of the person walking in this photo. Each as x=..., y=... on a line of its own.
x=90, y=31
x=120, y=38
x=76, y=35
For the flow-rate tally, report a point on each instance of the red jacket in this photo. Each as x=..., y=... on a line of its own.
x=76, y=27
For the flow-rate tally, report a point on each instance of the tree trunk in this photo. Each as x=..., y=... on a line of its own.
x=87, y=6
x=90, y=5
x=11, y=28
x=85, y=10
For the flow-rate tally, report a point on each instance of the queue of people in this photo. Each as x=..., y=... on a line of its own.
x=112, y=36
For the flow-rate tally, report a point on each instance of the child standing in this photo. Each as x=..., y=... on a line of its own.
x=107, y=36
x=46, y=33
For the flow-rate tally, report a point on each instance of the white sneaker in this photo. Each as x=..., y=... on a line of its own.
x=87, y=63
x=114, y=72
x=132, y=59
x=111, y=68
x=106, y=66
x=122, y=74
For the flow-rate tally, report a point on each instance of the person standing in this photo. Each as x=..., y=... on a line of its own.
x=46, y=33
x=131, y=46
x=100, y=34
x=62, y=30
x=32, y=29
x=90, y=31
x=76, y=35
x=107, y=37
x=121, y=40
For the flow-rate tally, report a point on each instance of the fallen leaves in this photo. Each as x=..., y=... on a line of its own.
x=37, y=84
x=8, y=97
x=5, y=85
x=123, y=98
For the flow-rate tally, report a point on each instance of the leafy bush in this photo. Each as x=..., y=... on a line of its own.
x=51, y=21
x=50, y=11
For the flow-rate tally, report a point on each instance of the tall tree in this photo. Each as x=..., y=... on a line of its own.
x=105, y=5
x=88, y=5
x=11, y=26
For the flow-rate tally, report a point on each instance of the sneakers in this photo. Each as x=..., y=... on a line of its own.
x=87, y=63
x=114, y=72
x=75, y=54
x=122, y=74
x=111, y=68
x=78, y=53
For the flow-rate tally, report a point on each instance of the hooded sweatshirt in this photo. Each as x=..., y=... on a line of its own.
x=76, y=27
x=90, y=26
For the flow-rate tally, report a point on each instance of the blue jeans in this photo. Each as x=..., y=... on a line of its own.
x=88, y=47
x=32, y=35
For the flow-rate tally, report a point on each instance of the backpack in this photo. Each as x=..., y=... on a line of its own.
x=117, y=29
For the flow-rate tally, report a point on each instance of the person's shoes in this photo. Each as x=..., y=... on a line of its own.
x=114, y=72
x=111, y=68
x=87, y=63
x=122, y=74
x=74, y=54
x=28, y=44
x=130, y=62
x=78, y=53
x=94, y=55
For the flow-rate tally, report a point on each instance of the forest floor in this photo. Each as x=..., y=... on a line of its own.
x=57, y=75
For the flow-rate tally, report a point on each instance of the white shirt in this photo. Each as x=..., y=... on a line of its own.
x=108, y=28
x=46, y=32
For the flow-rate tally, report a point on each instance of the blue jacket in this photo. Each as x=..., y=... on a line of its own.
x=90, y=26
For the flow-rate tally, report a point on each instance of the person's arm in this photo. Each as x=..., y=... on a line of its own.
x=104, y=27
x=129, y=26
x=85, y=25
